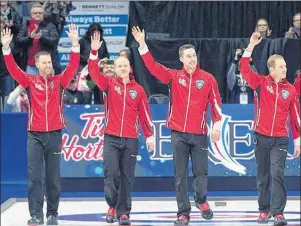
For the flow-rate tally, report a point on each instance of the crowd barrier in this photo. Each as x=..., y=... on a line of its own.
x=82, y=149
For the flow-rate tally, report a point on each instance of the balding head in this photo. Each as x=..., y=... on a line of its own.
x=122, y=67
x=277, y=66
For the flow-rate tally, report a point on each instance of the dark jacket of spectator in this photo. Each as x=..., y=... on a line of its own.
x=85, y=49
x=11, y=15
x=3, y=69
x=85, y=43
x=48, y=42
x=238, y=85
x=56, y=13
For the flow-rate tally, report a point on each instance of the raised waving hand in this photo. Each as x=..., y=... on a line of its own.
x=139, y=35
x=95, y=41
x=73, y=34
x=6, y=38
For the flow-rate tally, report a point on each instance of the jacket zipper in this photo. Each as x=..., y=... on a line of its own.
x=31, y=115
x=170, y=115
x=123, y=110
x=275, y=110
x=188, y=102
x=60, y=111
x=258, y=117
x=46, y=105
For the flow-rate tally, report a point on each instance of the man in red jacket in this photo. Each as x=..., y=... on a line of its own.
x=192, y=89
x=125, y=103
x=45, y=123
x=297, y=84
x=276, y=102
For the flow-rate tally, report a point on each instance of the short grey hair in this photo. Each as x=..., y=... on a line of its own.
x=36, y=5
x=184, y=47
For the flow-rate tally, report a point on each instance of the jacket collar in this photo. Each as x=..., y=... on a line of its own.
x=132, y=80
x=187, y=73
x=282, y=81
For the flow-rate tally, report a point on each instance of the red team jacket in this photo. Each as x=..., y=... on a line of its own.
x=46, y=101
x=275, y=104
x=124, y=104
x=297, y=84
x=190, y=96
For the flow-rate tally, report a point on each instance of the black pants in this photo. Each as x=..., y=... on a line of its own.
x=120, y=155
x=44, y=149
x=187, y=145
x=270, y=154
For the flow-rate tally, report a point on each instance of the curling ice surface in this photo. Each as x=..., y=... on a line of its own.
x=151, y=213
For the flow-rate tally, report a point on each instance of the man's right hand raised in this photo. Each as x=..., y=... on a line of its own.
x=139, y=36
x=95, y=41
x=6, y=37
x=254, y=41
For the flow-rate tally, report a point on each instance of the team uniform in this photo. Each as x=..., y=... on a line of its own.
x=45, y=123
x=297, y=84
x=276, y=106
x=190, y=96
x=125, y=105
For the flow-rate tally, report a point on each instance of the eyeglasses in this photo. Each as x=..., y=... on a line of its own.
x=262, y=25
x=37, y=13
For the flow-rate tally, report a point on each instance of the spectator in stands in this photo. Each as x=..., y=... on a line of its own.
x=262, y=26
x=241, y=93
x=18, y=100
x=294, y=31
x=72, y=96
x=85, y=43
x=108, y=69
x=38, y=35
x=12, y=20
x=7, y=83
x=2, y=23
x=103, y=53
x=11, y=17
x=56, y=13
x=127, y=53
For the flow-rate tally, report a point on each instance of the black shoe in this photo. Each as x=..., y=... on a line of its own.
x=35, y=220
x=51, y=220
x=279, y=220
x=124, y=220
x=182, y=220
x=206, y=212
